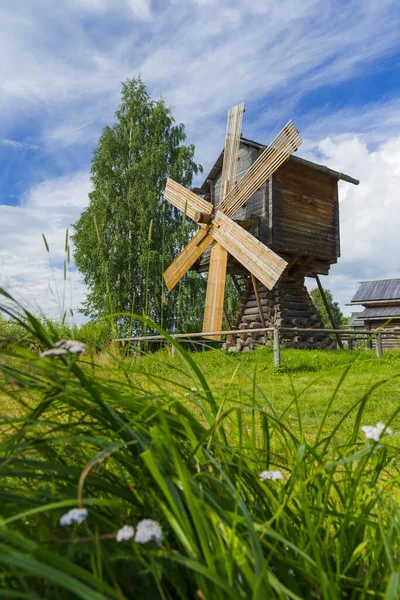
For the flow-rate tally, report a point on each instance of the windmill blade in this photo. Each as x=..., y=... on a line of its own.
x=231, y=150
x=188, y=202
x=214, y=308
x=215, y=291
x=286, y=142
x=187, y=258
x=262, y=262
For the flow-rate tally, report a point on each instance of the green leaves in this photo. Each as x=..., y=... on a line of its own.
x=126, y=212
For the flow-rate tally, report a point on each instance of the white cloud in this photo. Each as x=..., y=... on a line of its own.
x=61, y=69
x=25, y=268
x=369, y=213
x=18, y=145
x=141, y=9
x=373, y=122
x=203, y=57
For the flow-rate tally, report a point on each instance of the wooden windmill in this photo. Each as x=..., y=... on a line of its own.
x=218, y=228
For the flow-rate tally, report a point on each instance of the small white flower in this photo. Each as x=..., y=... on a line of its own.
x=382, y=426
x=53, y=352
x=126, y=533
x=148, y=530
x=374, y=433
x=71, y=346
x=273, y=475
x=291, y=573
x=63, y=347
x=192, y=390
x=75, y=515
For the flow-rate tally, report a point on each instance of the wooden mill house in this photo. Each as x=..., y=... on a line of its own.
x=296, y=214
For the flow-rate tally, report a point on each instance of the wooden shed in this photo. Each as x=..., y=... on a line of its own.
x=380, y=299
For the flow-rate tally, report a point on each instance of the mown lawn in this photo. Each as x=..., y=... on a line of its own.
x=306, y=381
x=298, y=391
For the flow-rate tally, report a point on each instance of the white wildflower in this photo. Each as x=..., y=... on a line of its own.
x=126, y=533
x=65, y=346
x=53, y=352
x=193, y=389
x=148, y=530
x=374, y=433
x=273, y=475
x=291, y=573
x=75, y=515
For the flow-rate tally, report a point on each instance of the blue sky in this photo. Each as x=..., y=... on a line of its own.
x=333, y=67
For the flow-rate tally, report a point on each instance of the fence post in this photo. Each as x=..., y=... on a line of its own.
x=378, y=344
x=351, y=343
x=277, y=350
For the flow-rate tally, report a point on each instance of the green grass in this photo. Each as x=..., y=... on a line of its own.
x=306, y=381
x=182, y=441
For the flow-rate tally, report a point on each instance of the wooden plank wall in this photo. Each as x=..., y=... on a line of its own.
x=298, y=210
x=247, y=155
x=387, y=343
x=305, y=212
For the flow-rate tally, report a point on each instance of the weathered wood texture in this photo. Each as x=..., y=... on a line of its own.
x=186, y=258
x=219, y=256
x=252, y=254
x=298, y=212
x=231, y=149
x=214, y=308
x=287, y=304
x=286, y=142
x=185, y=200
x=388, y=342
x=305, y=212
x=258, y=300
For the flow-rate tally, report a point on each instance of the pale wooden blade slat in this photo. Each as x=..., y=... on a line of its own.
x=215, y=291
x=231, y=150
x=187, y=258
x=257, y=258
x=286, y=142
x=219, y=257
x=185, y=200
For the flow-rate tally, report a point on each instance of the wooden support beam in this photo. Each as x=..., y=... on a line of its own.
x=328, y=310
x=236, y=284
x=395, y=333
x=378, y=344
x=277, y=350
x=259, y=305
x=226, y=317
x=215, y=290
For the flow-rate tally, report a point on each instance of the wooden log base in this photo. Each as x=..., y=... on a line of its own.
x=288, y=304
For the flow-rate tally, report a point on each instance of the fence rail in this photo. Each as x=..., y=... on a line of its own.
x=205, y=334
x=345, y=334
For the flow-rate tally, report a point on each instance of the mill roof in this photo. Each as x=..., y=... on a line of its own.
x=217, y=167
x=379, y=290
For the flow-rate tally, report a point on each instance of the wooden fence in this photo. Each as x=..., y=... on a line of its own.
x=345, y=334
